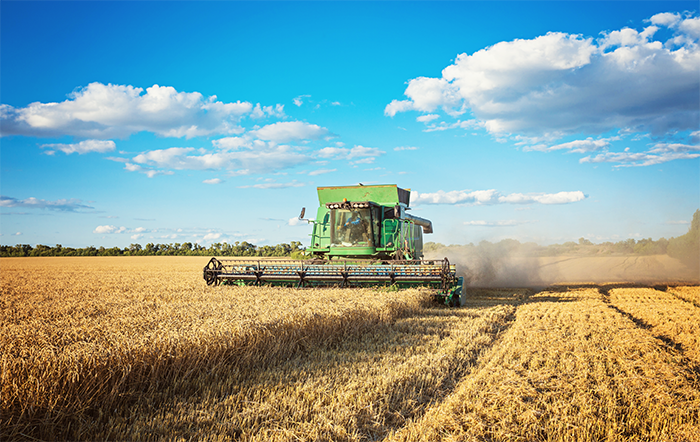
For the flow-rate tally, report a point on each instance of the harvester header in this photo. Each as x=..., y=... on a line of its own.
x=361, y=236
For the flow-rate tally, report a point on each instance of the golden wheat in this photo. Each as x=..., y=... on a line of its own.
x=358, y=390
x=81, y=333
x=140, y=348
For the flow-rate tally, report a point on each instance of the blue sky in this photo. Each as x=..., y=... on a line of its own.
x=164, y=122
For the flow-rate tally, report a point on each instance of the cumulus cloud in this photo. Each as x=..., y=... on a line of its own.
x=321, y=171
x=150, y=173
x=638, y=159
x=82, y=147
x=267, y=111
x=298, y=101
x=358, y=154
x=427, y=118
x=62, y=205
x=564, y=83
x=109, y=229
x=266, y=158
x=117, y=111
x=258, y=151
x=492, y=196
x=288, y=131
x=274, y=185
x=580, y=146
x=213, y=181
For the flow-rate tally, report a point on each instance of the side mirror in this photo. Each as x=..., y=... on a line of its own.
x=397, y=212
x=303, y=211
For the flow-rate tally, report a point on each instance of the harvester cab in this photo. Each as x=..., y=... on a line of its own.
x=367, y=222
x=362, y=236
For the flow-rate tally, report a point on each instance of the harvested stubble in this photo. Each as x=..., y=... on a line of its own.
x=570, y=368
x=665, y=315
x=84, y=336
x=690, y=294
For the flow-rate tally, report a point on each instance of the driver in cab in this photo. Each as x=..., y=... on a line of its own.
x=355, y=225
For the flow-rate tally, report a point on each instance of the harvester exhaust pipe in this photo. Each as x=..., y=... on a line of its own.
x=425, y=223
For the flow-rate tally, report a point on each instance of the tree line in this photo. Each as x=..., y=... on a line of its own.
x=243, y=248
x=685, y=247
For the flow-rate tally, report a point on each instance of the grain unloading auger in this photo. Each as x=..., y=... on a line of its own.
x=362, y=236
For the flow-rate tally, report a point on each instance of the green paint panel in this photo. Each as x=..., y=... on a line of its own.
x=385, y=194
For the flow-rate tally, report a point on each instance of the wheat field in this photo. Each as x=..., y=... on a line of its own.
x=139, y=348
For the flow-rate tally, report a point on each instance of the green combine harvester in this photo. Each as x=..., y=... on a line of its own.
x=362, y=237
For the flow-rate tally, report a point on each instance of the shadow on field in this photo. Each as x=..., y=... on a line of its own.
x=366, y=384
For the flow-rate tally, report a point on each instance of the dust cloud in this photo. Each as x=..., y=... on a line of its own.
x=511, y=264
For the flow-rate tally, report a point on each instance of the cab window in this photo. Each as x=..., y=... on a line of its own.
x=351, y=227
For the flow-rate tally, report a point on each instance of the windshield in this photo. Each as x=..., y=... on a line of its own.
x=351, y=227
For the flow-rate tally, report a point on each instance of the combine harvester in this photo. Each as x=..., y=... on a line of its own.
x=362, y=237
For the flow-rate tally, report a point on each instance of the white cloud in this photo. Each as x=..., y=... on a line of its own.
x=492, y=196
x=82, y=147
x=63, y=205
x=581, y=146
x=367, y=154
x=232, y=143
x=211, y=236
x=674, y=147
x=287, y=131
x=400, y=148
x=17, y=234
x=564, y=83
x=543, y=198
x=255, y=152
x=638, y=159
x=267, y=111
x=213, y=181
x=330, y=152
x=367, y=160
x=298, y=101
x=109, y=229
x=265, y=157
x=150, y=173
x=273, y=185
x=667, y=19
x=117, y=111
x=321, y=172
x=427, y=118
x=137, y=236
x=467, y=124
x=426, y=94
